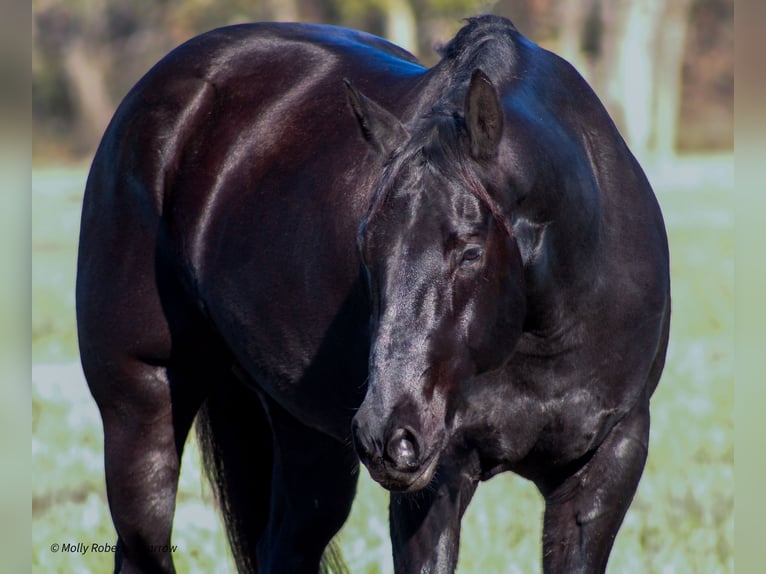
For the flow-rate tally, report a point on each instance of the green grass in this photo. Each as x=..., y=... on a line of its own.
x=681, y=520
x=56, y=202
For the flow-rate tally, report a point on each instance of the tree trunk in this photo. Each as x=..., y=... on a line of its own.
x=401, y=27
x=93, y=104
x=573, y=14
x=669, y=62
x=282, y=10
x=632, y=83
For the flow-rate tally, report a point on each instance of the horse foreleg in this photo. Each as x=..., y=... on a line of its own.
x=584, y=512
x=425, y=525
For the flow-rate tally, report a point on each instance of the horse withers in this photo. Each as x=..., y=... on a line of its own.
x=325, y=252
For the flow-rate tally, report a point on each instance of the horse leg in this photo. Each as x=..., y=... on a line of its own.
x=314, y=483
x=146, y=420
x=584, y=511
x=425, y=525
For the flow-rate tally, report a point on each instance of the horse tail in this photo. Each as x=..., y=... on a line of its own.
x=332, y=560
x=235, y=443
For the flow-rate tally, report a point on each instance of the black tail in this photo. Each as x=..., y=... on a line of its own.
x=332, y=560
x=235, y=444
x=236, y=449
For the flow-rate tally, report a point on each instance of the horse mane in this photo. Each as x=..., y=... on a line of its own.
x=468, y=50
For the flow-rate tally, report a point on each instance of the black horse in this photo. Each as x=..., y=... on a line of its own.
x=482, y=286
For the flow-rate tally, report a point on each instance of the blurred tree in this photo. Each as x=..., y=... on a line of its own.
x=392, y=19
x=576, y=42
x=633, y=77
x=401, y=27
x=656, y=64
x=669, y=59
x=642, y=56
x=707, y=103
x=77, y=83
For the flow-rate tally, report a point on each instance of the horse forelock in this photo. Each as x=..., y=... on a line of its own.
x=434, y=147
x=438, y=142
x=437, y=148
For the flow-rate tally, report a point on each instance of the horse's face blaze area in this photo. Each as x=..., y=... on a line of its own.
x=446, y=285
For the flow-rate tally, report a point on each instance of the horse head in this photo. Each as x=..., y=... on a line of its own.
x=445, y=277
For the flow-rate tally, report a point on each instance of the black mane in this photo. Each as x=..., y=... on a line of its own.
x=487, y=42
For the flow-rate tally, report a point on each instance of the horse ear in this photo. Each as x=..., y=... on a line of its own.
x=380, y=128
x=483, y=116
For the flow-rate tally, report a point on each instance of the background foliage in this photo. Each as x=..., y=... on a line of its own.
x=664, y=69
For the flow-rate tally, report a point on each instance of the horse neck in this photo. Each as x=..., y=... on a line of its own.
x=559, y=230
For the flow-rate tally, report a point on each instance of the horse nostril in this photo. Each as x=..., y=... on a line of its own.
x=402, y=449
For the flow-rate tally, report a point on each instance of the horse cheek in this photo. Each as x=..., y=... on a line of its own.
x=498, y=312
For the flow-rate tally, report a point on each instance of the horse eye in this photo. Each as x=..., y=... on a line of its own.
x=470, y=255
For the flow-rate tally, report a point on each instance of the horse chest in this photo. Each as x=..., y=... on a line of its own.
x=555, y=414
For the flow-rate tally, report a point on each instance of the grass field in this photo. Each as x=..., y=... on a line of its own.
x=681, y=520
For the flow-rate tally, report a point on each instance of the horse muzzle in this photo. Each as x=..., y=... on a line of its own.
x=398, y=458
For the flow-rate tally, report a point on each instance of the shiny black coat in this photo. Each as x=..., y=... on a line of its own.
x=327, y=252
